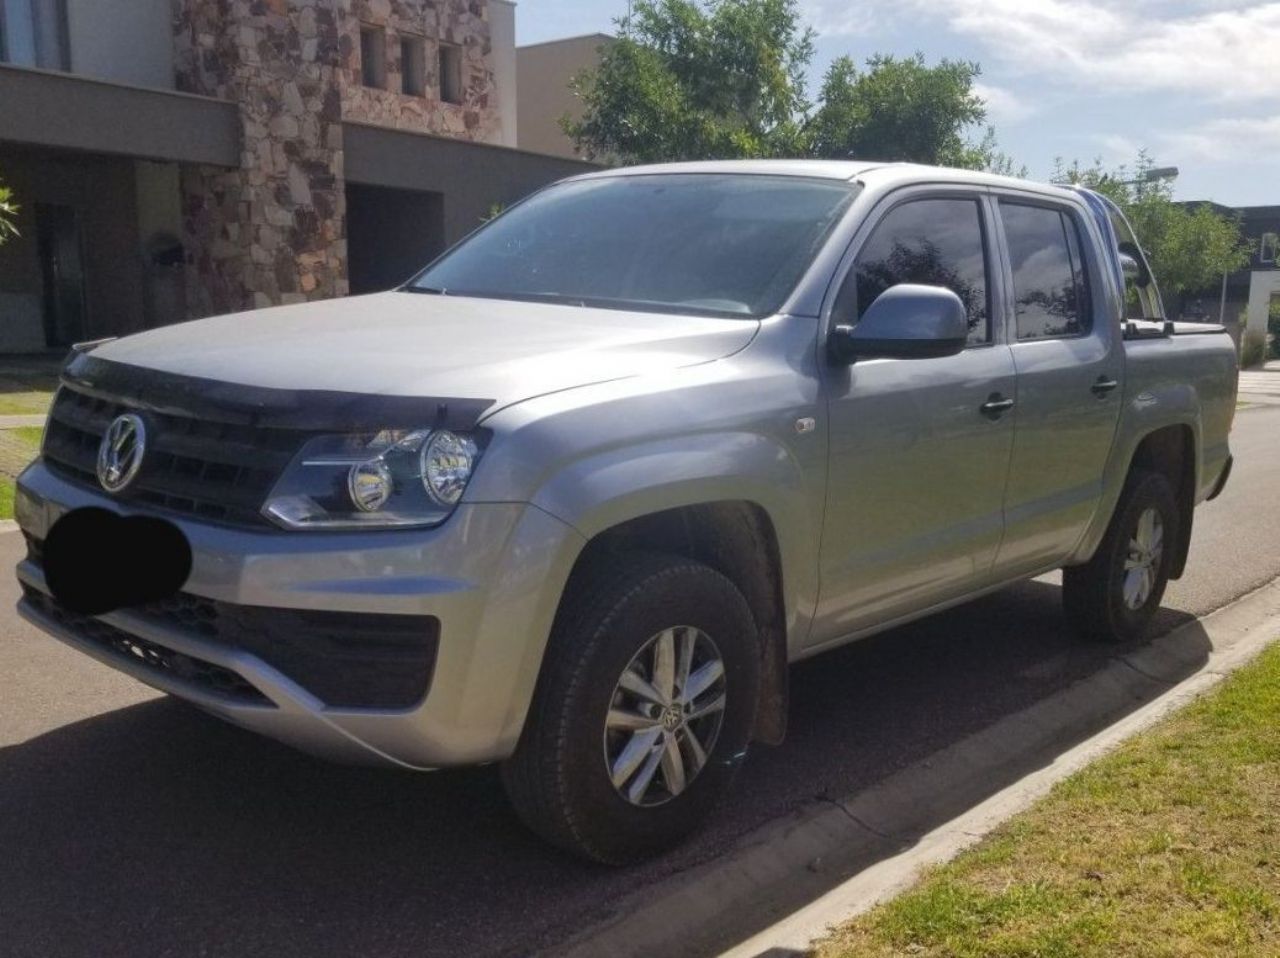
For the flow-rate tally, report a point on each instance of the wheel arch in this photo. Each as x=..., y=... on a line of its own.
x=739, y=540
x=1170, y=449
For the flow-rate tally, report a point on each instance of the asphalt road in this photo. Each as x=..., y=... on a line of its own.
x=131, y=824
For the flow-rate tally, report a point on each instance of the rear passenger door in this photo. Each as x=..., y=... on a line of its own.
x=1069, y=366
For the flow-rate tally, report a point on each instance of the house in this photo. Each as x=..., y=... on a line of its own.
x=179, y=158
x=545, y=72
x=1249, y=291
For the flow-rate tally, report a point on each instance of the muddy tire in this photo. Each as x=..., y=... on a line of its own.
x=643, y=710
x=1114, y=596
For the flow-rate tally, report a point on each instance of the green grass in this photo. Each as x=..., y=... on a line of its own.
x=27, y=393
x=17, y=448
x=1170, y=846
x=35, y=403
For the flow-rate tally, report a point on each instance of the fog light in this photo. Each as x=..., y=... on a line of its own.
x=369, y=484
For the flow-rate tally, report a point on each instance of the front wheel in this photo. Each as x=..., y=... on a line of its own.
x=643, y=711
x=1114, y=596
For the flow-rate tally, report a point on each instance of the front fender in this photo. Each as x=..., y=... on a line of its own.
x=610, y=487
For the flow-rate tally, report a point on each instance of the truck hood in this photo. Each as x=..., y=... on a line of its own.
x=416, y=345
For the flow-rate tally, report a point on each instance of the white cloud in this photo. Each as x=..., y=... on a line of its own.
x=1198, y=47
x=1003, y=105
x=1118, y=149
x=1241, y=139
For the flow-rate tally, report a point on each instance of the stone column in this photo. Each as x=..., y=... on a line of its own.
x=273, y=231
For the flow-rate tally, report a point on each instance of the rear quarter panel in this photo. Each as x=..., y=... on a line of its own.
x=1180, y=380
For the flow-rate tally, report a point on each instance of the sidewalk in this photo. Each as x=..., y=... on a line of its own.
x=1261, y=385
x=18, y=422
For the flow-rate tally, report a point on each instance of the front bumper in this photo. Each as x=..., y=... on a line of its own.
x=491, y=576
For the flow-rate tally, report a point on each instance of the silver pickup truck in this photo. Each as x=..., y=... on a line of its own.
x=573, y=498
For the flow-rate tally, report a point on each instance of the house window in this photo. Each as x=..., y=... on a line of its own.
x=413, y=67
x=373, y=57
x=450, y=73
x=1268, y=247
x=33, y=33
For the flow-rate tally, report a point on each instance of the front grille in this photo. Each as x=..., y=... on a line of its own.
x=200, y=467
x=211, y=679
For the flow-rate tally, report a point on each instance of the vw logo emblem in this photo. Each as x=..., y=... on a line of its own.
x=120, y=452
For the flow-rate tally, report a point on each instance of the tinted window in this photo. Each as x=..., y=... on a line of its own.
x=732, y=244
x=1048, y=275
x=934, y=242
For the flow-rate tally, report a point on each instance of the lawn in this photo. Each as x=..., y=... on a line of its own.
x=17, y=448
x=1169, y=846
x=26, y=392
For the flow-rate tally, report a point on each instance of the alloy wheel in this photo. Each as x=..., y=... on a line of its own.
x=1142, y=561
x=665, y=716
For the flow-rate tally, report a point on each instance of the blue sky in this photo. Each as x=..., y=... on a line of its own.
x=1195, y=82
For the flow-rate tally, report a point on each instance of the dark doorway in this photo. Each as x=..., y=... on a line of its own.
x=61, y=255
x=391, y=234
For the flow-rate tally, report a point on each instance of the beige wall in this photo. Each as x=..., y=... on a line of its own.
x=127, y=41
x=543, y=72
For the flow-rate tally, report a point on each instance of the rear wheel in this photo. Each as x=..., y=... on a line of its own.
x=1114, y=596
x=643, y=711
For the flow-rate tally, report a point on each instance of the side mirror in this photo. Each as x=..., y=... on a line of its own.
x=1135, y=269
x=906, y=321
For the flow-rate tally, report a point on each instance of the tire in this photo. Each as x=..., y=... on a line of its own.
x=559, y=779
x=1103, y=600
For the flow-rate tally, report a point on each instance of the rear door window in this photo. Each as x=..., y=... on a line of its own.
x=1050, y=284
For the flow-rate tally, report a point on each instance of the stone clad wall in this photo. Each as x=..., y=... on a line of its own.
x=273, y=231
x=464, y=23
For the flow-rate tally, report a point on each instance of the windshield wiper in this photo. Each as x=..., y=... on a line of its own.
x=427, y=290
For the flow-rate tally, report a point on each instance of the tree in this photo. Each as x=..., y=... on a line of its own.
x=899, y=109
x=1190, y=245
x=704, y=79
x=684, y=82
x=8, y=215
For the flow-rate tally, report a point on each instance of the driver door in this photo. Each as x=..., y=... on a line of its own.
x=920, y=448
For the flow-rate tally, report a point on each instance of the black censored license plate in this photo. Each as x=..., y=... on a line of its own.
x=96, y=561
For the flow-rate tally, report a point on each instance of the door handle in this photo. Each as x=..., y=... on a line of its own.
x=996, y=406
x=1103, y=386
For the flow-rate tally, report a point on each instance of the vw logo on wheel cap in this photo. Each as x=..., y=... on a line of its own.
x=120, y=452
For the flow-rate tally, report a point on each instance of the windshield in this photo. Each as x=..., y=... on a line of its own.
x=732, y=245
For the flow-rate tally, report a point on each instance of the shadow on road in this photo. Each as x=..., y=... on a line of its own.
x=156, y=830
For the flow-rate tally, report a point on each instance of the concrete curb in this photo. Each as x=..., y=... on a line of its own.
x=782, y=886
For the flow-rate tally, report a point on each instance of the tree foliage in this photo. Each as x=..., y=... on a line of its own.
x=684, y=82
x=720, y=79
x=898, y=109
x=8, y=215
x=1190, y=245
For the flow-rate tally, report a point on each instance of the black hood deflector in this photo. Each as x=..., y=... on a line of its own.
x=265, y=406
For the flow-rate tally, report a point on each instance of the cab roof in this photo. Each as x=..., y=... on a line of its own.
x=862, y=170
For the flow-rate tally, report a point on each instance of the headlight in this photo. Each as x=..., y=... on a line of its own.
x=395, y=478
